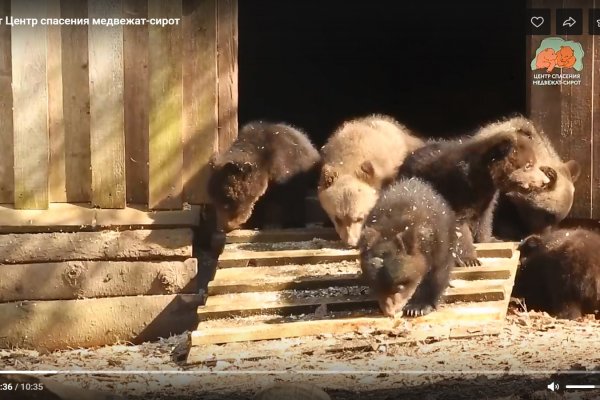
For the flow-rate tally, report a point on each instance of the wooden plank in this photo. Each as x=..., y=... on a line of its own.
x=76, y=103
x=103, y=245
x=107, y=130
x=241, y=258
x=199, y=25
x=57, y=185
x=81, y=279
x=227, y=67
x=166, y=147
x=576, y=119
x=595, y=137
x=64, y=215
x=62, y=324
x=280, y=235
x=255, y=279
x=136, y=95
x=458, y=314
x=290, y=348
x=30, y=106
x=7, y=177
x=244, y=304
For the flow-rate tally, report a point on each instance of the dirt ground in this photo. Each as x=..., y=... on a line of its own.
x=517, y=364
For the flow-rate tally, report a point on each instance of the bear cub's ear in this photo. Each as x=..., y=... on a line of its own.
x=574, y=169
x=328, y=177
x=530, y=244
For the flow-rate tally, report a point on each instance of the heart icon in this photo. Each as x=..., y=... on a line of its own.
x=537, y=21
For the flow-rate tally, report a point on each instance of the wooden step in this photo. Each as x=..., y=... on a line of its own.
x=280, y=235
x=236, y=257
x=255, y=279
x=287, y=302
x=230, y=330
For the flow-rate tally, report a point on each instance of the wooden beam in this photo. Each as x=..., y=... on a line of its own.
x=227, y=67
x=7, y=177
x=290, y=348
x=457, y=314
x=244, y=304
x=64, y=215
x=83, y=279
x=166, y=147
x=57, y=185
x=76, y=103
x=103, y=245
x=63, y=324
x=137, y=106
x=30, y=106
x=256, y=279
x=199, y=24
x=280, y=235
x=107, y=130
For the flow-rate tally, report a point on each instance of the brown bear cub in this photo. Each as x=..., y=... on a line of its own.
x=359, y=159
x=271, y=162
x=560, y=273
x=532, y=203
x=407, y=248
x=468, y=172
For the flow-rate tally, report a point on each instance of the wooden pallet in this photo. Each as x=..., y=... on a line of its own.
x=273, y=286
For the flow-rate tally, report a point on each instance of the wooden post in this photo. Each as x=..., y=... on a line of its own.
x=7, y=178
x=76, y=103
x=166, y=147
x=57, y=186
x=30, y=106
x=227, y=66
x=135, y=58
x=107, y=129
x=199, y=95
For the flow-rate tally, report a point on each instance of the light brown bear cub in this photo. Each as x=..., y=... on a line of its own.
x=361, y=158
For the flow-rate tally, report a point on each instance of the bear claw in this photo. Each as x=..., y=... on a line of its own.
x=417, y=310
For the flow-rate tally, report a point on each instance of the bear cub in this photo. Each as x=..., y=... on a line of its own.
x=359, y=159
x=407, y=248
x=269, y=166
x=560, y=273
x=468, y=172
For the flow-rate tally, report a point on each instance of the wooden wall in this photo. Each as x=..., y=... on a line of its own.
x=115, y=115
x=570, y=114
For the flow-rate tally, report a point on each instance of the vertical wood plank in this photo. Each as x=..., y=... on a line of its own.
x=76, y=103
x=107, y=130
x=576, y=119
x=6, y=113
x=595, y=124
x=57, y=189
x=227, y=65
x=30, y=106
x=135, y=59
x=199, y=96
x=166, y=147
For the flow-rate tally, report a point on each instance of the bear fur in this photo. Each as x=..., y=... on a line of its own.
x=407, y=248
x=269, y=166
x=532, y=203
x=560, y=273
x=468, y=172
x=359, y=159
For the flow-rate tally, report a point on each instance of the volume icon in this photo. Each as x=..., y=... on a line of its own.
x=553, y=386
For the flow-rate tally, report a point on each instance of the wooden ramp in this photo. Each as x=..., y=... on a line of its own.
x=274, y=286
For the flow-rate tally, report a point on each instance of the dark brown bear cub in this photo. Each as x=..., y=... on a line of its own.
x=560, y=273
x=406, y=248
x=273, y=162
x=468, y=172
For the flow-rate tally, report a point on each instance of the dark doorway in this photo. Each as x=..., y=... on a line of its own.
x=440, y=67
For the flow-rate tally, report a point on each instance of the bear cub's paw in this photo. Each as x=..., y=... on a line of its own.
x=417, y=309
